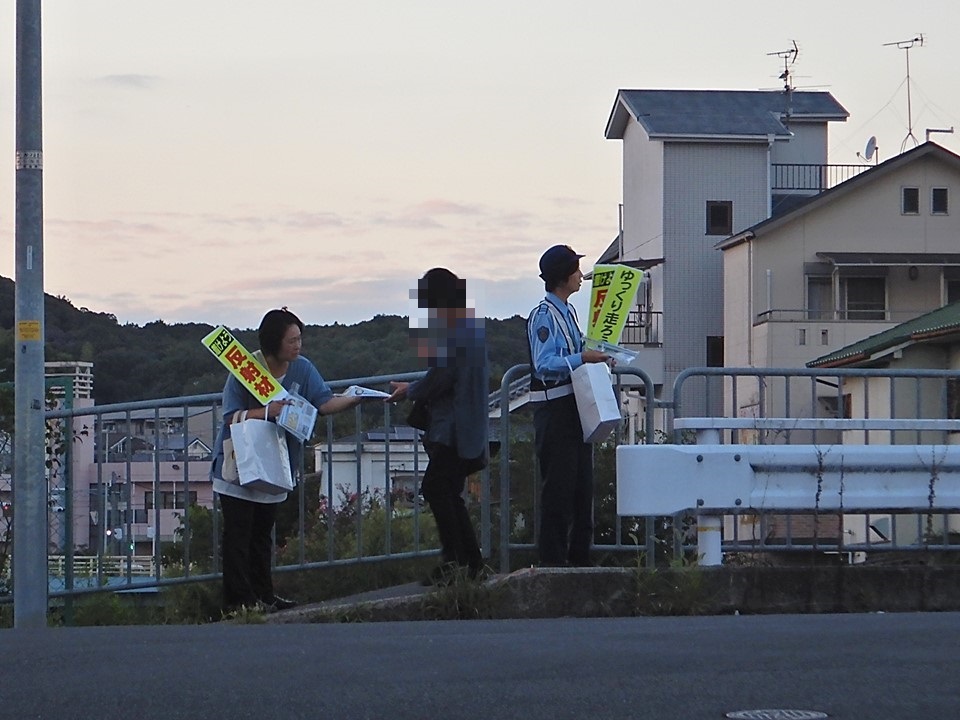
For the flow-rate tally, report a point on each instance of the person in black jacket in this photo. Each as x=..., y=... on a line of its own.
x=452, y=402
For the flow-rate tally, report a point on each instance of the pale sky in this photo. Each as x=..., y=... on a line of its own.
x=206, y=160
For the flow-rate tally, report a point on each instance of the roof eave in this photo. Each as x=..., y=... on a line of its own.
x=734, y=240
x=620, y=115
x=700, y=137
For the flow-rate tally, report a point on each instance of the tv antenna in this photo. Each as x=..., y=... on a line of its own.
x=789, y=57
x=906, y=45
x=870, y=151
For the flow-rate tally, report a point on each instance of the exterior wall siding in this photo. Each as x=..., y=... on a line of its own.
x=807, y=146
x=693, y=272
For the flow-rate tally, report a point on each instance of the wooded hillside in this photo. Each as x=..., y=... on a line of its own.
x=133, y=362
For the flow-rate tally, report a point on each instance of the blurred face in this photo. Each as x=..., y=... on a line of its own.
x=290, y=345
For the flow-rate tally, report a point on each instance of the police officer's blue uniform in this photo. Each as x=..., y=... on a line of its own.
x=566, y=461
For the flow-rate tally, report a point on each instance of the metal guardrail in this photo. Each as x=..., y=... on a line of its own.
x=779, y=406
x=764, y=390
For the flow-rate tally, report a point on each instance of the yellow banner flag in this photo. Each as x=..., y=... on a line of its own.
x=244, y=366
x=611, y=299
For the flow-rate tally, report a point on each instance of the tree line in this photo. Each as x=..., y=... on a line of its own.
x=133, y=362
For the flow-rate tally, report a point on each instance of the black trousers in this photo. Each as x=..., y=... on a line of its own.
x=247, y=549
x=566, y=474
x=442, y=488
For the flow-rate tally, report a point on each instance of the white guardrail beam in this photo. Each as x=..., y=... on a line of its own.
x=667, y=479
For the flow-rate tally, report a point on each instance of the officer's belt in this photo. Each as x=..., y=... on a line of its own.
x=551, y=393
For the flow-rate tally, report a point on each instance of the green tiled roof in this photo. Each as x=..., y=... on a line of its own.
x=939, y=322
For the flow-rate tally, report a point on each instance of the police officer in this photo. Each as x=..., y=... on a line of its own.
x=566, y=461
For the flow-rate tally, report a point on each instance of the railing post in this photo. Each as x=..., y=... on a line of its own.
x=504, y=564
x=709, y=527
x=709, y=536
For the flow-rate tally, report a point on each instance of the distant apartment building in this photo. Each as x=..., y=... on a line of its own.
x=130, y=475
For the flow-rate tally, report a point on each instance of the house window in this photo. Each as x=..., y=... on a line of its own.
x=863, y=298
x=719, y=217
x=169, y=500
x=819, y=297
x=953, y=399
x=714, y=351
x=910, y=201
x=938, y=201
x=953, y=291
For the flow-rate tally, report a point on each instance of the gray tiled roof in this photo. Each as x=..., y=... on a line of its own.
x=719, y=112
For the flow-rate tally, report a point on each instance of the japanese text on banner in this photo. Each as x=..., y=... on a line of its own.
x=611, y=299
x=244, y=366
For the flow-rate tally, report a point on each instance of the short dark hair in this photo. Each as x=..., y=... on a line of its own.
x=440, y=288
x=273, y=327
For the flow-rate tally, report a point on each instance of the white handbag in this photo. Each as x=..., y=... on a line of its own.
x=596, y=401
x=263, y=461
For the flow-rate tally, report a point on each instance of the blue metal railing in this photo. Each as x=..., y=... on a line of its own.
x=802, y=393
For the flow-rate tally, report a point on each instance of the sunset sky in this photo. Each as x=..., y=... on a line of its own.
x=205, y=161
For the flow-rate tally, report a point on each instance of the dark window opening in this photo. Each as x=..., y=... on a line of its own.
x=938, y=201
x=714, y=351
x=719, y=217
x=910, y=203
x=864, y=298
x=953, y=291
x=953, y=399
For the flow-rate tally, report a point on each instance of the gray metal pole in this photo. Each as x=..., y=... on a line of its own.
x=29, y=478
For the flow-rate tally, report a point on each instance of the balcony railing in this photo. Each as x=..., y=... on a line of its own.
x=849, y=315
x=642, y=328
x=811, y=177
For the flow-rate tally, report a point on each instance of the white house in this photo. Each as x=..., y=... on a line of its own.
x=375, y=461
x=698, y=166
x=860, y=258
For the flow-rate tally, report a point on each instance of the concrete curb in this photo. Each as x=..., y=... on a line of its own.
x=624, y=592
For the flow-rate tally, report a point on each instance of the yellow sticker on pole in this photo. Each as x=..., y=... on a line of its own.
x=244, y=366
x=611, y=299
x=28, y=330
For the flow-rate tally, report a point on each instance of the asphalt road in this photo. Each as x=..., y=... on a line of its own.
x=854, y=667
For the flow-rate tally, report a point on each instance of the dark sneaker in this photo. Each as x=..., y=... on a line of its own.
x=280, y=603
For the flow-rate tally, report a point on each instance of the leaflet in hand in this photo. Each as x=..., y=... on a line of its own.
x=623, y=356
x=299, y=417
x=362, y=392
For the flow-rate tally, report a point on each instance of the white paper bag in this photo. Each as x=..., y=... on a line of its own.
x=263, y=462
x=596, y=401
x=228, y=471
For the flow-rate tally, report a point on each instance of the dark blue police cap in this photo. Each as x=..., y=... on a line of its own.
x=558, y=263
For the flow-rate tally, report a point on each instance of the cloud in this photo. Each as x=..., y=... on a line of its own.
x=343, y=265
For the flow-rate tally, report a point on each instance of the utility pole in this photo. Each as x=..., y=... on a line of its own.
x=29, y=475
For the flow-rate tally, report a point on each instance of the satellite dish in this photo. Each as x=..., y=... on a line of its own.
x=871, y=147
